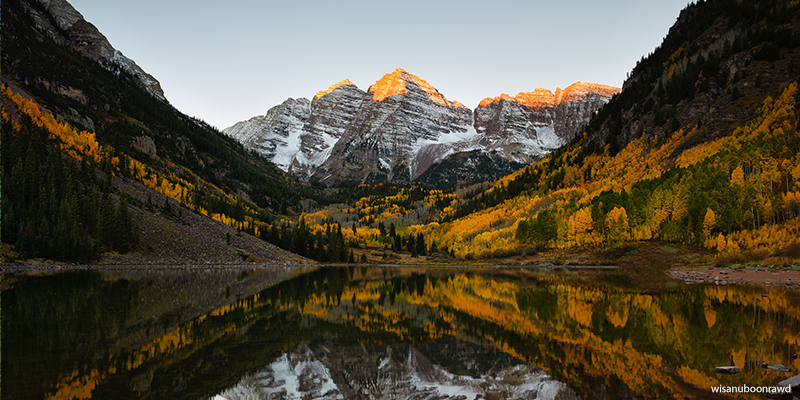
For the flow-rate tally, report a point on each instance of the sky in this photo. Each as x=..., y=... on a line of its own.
x=228, y=61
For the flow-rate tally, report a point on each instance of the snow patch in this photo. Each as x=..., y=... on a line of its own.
x=283, y=379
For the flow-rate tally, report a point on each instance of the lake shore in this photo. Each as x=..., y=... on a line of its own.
x=787, y=277
x=648, y=263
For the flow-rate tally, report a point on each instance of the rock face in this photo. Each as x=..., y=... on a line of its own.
x=402, y=126
x=532, y=124
x=276, y=134
x=332, y=112
x=88, y=40
x=298, y=135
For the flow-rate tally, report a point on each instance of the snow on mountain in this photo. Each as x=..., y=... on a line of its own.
x=402, y=125
x=532, y=124
x=276, y=134
x=386, y=139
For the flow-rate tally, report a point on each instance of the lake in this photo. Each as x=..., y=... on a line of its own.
x=371, y=332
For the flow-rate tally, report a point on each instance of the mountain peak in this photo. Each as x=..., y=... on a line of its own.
x=540, y=97
x=333, y=87
x=580, y=89
x=395, y=83
x=89, y=41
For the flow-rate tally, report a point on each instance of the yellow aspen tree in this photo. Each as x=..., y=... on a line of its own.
x=737, y=176
x=720, y=242
x=617, y=226
x=709, y=222
x=796, y=176
x=580, y=224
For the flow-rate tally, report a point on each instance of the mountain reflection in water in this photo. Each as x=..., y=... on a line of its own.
x=369, y=332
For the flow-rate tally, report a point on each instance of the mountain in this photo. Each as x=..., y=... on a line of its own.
x=64, y=24
x=532, y=124
x=700, y=148
x=94, y=159
x=713, y=70
x=299, y=135
x=402, y=126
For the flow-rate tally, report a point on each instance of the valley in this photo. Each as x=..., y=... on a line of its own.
x=591, y=242
x=698, y=150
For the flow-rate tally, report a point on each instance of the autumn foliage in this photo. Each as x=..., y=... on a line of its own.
x=737, y=193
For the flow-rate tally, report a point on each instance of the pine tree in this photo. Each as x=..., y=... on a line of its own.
x=166, y=209
x=411, y=245
x=106, y=223
x=127, y=229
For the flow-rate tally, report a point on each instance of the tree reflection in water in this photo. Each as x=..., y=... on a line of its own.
x=190, y=334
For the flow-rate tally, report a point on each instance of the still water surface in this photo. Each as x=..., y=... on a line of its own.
x=369, y=332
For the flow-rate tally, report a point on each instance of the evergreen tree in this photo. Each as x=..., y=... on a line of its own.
x=106, y=228
x=382, y=228
x=421, y=248
x=166, y=209
x=411, y=245
x=321, y=252
x=126, y=229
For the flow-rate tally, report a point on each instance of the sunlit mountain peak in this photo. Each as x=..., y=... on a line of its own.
x=394, y=84
x=333, y=87
x=545, y=98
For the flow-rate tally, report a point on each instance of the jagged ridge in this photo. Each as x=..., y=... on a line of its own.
x=84, y=37
x=402, y=125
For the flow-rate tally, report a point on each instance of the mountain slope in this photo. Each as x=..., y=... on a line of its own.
x=398, y=134
x=700, y=148
x=64, y=24
x=118, y=129
x=532, y=124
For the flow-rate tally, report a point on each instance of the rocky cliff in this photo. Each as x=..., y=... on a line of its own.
x=275, y=134
x=402, y=126
x=532, y=124
x=298, y=135
x=73, y=30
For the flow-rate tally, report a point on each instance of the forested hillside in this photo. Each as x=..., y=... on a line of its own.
x=700, y=148
x=72, y=125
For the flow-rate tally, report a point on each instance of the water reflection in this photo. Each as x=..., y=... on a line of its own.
x=360, y=332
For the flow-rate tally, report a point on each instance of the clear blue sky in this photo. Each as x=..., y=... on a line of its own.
x=226, y=61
